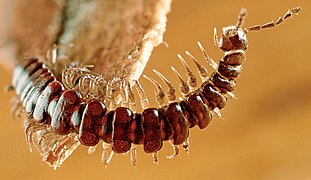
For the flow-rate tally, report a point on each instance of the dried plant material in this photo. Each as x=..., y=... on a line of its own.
x=116, y=36
x=27, y=28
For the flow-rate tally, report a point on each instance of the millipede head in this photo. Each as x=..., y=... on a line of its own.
x=234, y=37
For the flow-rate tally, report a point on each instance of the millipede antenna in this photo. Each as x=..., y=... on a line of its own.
x=279, y=21
x=241, y=18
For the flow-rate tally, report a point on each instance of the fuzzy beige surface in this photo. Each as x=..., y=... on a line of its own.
x=117, y=37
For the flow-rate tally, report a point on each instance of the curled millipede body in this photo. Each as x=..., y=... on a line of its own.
x=85, y=108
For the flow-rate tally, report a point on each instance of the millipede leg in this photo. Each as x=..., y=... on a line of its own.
x=84, y=89
x=210, y=60
x=46, y=135
x=61, y=150
x=92, y=149
x=155, y=158
x=192, y=80
x=75, y=143
x=46, y=139
x=67, y=151
x=176, y=151
x=30, y=131
x=231, y=95
x=112, y=94
x=171, y=90
x=186, y=146
x=124, y=94
x=131, y=98
x=216, y=39
x=106, y=156
x=98, y=87
x=160, y=94
x=107, y=96
x=133, y=155
x=61, y=146
x=17, y=108
x=52, y=55
x=142, y=95
x=201, y=69
x=183, y=87
x=54, y=149
x=118, y=95
x=218, y=113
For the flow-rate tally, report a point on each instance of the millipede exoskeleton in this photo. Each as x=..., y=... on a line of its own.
x=85, y=108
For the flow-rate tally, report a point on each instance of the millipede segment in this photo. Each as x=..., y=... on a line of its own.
x=85, y=108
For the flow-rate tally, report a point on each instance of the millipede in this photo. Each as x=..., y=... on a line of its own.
x=82, y=107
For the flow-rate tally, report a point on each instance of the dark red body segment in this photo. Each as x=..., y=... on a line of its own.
x=136, y=130
x=25, y=79
x=229, y=71
x=38, y=73
x=239, y=41
x=29, y=93
x=152, y=129
x=178, y=122
x=42, y=76
x=33, y=67
x=122, y=118
x=91, y=120
x=225, y=44
x=52, y=104
x=166, y=128
x=39, y=87
x=234, y=59
x=236, y=41
x=20, y=72
x=30, y=84
x=199, y=110
x=62, y=114
x=30, y=81
x=188, y=115
x=25, y=63
x=213, y=97
x=76, y=117
x=106, y=130
x=30, y=70
x=52, y=90
x=225, y=85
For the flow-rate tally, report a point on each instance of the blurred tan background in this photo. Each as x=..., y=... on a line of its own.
x=266, y=133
